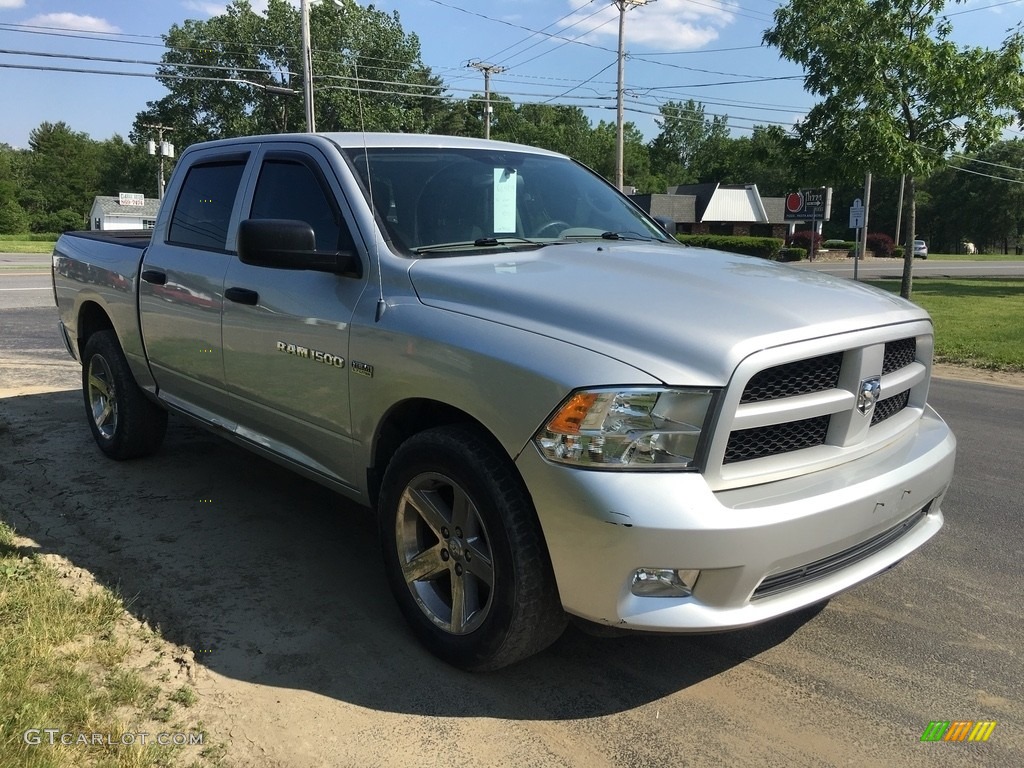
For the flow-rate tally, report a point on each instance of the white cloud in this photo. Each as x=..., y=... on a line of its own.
x=11, y=3
x=208, y=9
x=72, y=21
x=676, y=25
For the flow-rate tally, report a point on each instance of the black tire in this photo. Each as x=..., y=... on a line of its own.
x=454, y=515
x=124, y=422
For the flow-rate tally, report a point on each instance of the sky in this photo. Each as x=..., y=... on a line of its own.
x=551, y=51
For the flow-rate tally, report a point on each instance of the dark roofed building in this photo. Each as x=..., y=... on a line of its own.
x=719, y=209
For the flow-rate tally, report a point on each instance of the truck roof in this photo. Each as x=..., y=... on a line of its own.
x=357, y=140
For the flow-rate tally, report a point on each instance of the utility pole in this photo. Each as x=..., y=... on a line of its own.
x=620, y=144
x=488, y=70
x=863, y=248
x=162, y=149
x=899, y=209
x=307, y=68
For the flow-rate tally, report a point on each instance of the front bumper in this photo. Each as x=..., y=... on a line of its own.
x=847, y=523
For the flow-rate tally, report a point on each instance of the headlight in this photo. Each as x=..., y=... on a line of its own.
x=639, y=428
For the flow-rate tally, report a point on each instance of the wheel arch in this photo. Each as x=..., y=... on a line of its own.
x=91, y=318
x=405, y=419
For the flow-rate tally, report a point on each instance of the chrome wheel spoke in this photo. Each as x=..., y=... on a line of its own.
x=427, y=507
x=425, y=566
x=460, y=614
x=478, y=563
x=98, y=385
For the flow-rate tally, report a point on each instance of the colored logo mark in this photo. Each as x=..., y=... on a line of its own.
x=958, y=730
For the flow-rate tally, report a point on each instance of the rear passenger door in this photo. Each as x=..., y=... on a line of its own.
x=285, y=332
x=181, y=286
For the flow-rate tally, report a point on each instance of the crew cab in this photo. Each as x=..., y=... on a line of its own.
x=554, y=408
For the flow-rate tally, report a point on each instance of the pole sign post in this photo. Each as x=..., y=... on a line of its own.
x=857, y=223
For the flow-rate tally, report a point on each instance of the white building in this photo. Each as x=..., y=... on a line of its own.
x=127, y=211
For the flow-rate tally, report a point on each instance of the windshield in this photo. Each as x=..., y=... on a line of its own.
x=436, y=200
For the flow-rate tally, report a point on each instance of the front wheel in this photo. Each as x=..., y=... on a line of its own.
x=463, y=551
x=123, y=421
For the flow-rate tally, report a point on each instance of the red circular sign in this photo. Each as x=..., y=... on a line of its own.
x=795, y=202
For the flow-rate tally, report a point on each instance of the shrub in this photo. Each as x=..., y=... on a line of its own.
x=802, y=239
x=762, y=247
x=880, y=243
x=792, y=254
x=840, y=245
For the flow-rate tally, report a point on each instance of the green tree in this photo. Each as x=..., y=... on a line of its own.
x=63, y=174
x=230, y=75
x=895, y=98
x=685, y=151
x=125, y=167
x=13, y=218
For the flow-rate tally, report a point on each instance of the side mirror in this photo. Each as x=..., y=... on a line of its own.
x=291, y=244
x=667, y=223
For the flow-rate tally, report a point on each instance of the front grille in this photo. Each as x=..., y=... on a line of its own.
x=819, y=569
x=815, y=374
x=789, y=413
x=889, y=407
x=774, y=439
x=899, y=354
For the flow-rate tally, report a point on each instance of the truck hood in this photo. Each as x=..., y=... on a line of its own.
x=686, y=316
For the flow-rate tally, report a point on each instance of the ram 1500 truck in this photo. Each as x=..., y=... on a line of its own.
x=554, y=408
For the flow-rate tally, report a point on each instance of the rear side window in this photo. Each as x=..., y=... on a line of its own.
x=203, y=209
x=291, y=189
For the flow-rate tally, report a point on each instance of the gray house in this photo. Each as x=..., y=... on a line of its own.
x=127, y=211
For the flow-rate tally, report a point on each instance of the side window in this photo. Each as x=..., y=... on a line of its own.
x=290, y=189
x=203, y=209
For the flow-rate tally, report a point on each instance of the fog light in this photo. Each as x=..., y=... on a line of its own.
x=663, y=582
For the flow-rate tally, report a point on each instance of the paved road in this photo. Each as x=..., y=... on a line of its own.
x=894, y=268
x=312, y=664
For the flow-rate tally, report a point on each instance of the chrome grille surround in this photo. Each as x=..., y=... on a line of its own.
x=762, y=440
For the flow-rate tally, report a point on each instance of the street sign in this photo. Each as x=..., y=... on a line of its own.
x=857, y=214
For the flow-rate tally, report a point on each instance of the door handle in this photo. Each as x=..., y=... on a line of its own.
x=154, y=276
x=242, y=296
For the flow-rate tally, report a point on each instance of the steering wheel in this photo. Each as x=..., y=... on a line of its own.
x=555, y=224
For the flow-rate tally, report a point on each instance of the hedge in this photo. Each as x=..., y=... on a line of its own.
x=762, y=247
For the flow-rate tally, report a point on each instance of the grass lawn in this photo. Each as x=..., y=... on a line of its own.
x=974, y=257
x=27, y=243
x=26, y=246
x=978, y=323
x=71, y=662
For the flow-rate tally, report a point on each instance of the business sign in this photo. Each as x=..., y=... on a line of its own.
x=811, y=203
x=132, y=198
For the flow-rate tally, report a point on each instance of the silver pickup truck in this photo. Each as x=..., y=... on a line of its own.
x=554, y=408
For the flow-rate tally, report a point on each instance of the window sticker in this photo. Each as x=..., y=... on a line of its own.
x=505, y=182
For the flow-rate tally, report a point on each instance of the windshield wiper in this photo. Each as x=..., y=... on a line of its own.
x=480, y=242
x=627, y=236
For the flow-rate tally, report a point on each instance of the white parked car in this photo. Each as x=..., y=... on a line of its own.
x=920, y=249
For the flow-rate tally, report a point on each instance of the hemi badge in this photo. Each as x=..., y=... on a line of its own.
x=361, y=368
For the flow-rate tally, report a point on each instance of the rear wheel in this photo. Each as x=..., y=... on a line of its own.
x=464, y=553
x=124, y=422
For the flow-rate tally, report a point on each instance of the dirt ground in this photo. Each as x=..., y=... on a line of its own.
x=301, y=658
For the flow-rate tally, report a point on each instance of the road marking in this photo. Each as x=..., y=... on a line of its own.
x=26, y=289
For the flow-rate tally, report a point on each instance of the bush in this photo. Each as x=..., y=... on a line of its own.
x=762, y=247
x=880, y=244
x=897, y=251
x=803, y=240
x=64, y=220
x=839, y=245
x=792, y=254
